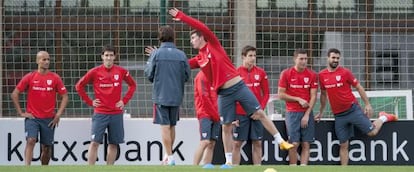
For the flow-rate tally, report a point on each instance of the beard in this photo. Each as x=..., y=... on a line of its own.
x=333, y=65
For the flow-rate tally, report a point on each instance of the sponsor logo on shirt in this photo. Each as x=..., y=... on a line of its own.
x=256, y=84
x=106, y=85
x=36, y=88
x=299, y=86
x=334, y=85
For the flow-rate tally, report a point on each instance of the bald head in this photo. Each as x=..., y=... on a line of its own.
x=42, y=54
x=43, y=60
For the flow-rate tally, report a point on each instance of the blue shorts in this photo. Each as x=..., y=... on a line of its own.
x=345, y=122
x=114, y=124
x=32, y=127
x=295, y=132
x=248, y=129
x=228, y=97
x=166, y=115
x=209, y=130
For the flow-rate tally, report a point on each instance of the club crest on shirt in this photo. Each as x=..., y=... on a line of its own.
x=116, y=76
x=204, y=135
x=257, y=77
x=306, y=79
x=338, y=77
x=49, y=82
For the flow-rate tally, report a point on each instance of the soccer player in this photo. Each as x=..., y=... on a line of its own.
x=212, y=59
x=207, y=114
x=247, y=128
x=108, y=105
x=298, y=86
x=335, y=84
x=168, y=70
x=40, y=116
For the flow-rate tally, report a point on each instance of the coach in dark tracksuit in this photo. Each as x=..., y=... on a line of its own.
x=168, y=70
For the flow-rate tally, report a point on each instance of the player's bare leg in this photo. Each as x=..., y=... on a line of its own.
x=167, y=134
x=209, y=151
x=198, y=155
x=383, y=118
x=343, y=153
x=112, y=152
x=257, y=152
x=236, y=151
x=304, y=155
x=45, y=154
x=293, y=154
x=271, y=128
x=28, y=151
x=93, y=152
x=227, y=141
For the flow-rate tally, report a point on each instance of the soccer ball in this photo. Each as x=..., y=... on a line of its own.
x=270, y=170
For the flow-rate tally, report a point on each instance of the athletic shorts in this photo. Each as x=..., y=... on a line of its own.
x=228, y=97
x=166, y=115
x=295, y=132
x=113, y=123
x=209, y=130
x=248, y=129
x=32, y=127
x=345, y=122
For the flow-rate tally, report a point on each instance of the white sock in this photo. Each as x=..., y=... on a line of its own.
x=170, y=158
x=229, y=157
x=278, y=138
x=383, y=118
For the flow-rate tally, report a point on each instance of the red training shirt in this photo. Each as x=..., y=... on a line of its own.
x=256, y=80
x=212, y=58
x=338, y=88
x=298, y=84
x=41, y=93
x=107, y=86
x=205, y=98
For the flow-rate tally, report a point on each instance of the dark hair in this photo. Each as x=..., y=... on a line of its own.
x=299, y=51
x=246, y=49
x=108, y=47
x=198, y=33
x=166, y=34
x=333, y=50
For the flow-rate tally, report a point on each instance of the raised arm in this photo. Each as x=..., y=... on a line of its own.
x=196, y=24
